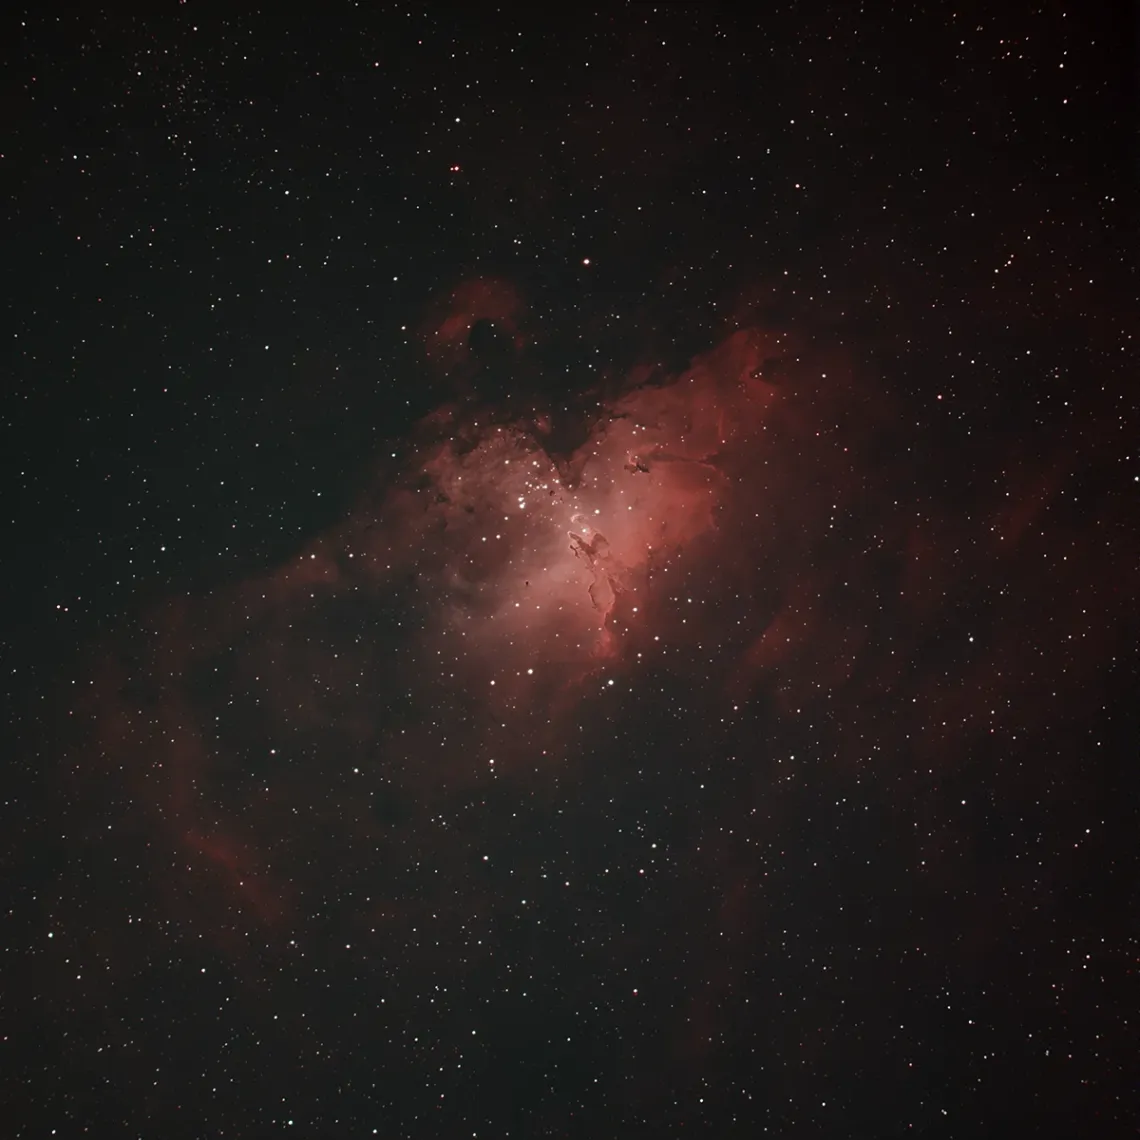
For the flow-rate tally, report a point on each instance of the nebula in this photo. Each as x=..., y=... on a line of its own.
x=749, y=527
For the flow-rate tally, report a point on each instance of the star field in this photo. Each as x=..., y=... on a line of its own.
x=570, y=573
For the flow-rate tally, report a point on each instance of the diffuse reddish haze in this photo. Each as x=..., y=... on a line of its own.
x=729, y=523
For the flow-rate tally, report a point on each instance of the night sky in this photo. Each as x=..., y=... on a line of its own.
x=569, y=573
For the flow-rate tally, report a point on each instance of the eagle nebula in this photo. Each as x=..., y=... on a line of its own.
x=518, y=612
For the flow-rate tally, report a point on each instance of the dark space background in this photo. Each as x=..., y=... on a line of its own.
x=833, y=834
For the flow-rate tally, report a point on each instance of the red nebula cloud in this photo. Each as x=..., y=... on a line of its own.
x=740, y=524
x=539, y=570
x=526, y=578
x=446, y=330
